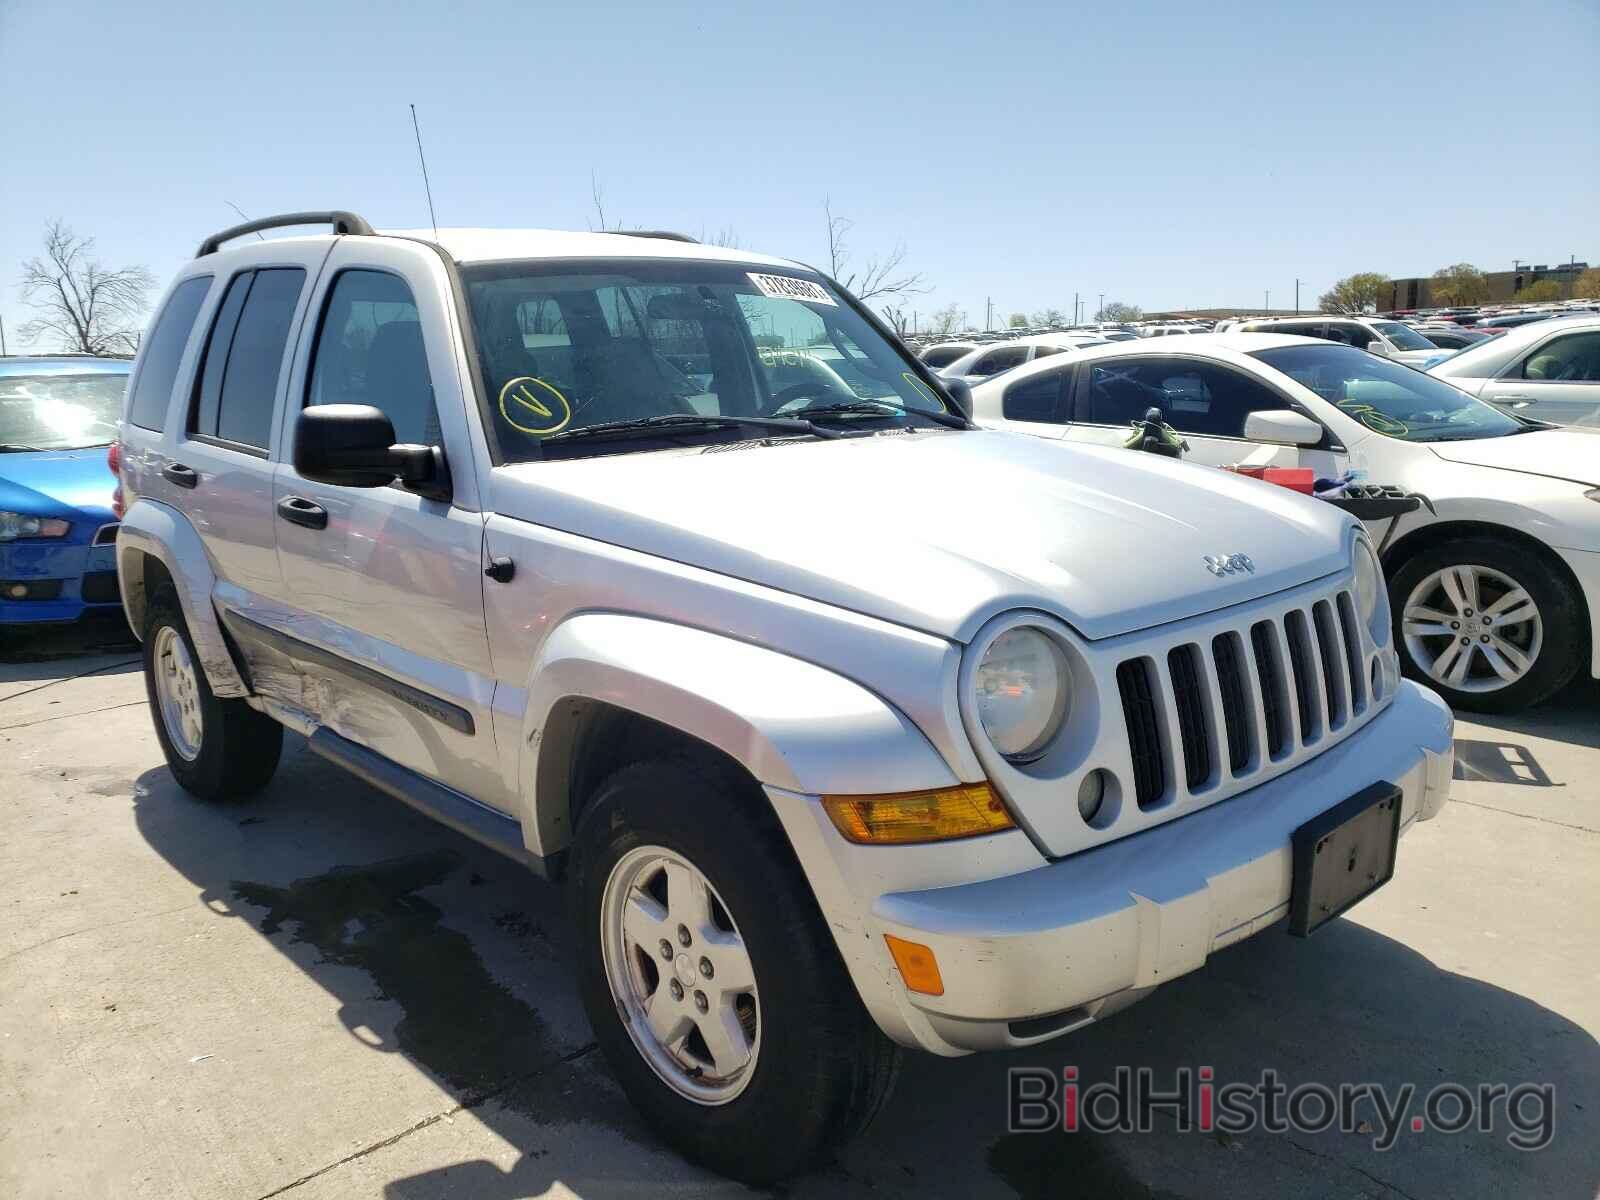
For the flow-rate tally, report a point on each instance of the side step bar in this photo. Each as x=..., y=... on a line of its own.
x=446, y=805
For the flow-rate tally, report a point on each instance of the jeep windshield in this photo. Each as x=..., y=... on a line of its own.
x=1388, y=397
x=60, y=411
x=565, y=347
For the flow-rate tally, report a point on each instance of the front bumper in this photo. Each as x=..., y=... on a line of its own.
x=82, y=576
x=1031, y=955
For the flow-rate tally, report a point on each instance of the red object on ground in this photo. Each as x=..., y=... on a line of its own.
x=1296, y=479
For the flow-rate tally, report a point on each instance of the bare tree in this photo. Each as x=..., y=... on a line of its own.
x=84, y=306
x=598, y=193
x=880, y=276
x=1050, y=316
x=947, y=320
x=899, y=318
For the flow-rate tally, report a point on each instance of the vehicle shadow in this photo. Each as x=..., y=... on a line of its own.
x=98, y=644
x=475, y=957
x=1572, y=715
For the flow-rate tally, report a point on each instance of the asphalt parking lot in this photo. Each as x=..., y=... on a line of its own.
x=321, y=994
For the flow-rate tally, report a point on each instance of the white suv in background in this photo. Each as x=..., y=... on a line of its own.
x=1495, y=582
x=635, y=559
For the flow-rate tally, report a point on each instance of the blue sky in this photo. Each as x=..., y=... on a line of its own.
x=1167, y=154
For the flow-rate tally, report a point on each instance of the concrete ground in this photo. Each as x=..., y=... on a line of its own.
x=320, y=994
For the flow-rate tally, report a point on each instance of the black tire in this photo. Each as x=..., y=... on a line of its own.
x=823, y=1069
x=239, y=747
x=1565, y=638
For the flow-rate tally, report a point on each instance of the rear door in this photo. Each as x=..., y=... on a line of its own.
x=388, y=582
x=1558, y=379
x=220, y=471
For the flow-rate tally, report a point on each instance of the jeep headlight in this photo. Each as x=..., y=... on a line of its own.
x=1369, y=587
x=14, y=525
x=1022, y=686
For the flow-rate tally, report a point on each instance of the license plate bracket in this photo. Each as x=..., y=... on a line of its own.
x=1342, y=856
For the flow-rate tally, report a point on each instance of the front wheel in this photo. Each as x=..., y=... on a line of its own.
x=713, y=987
x=1491, y=625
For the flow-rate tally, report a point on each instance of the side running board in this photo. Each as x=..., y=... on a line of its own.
x=445, y=805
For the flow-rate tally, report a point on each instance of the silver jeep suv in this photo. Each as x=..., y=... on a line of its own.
x=665, y=570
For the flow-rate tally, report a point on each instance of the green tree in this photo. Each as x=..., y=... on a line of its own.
x=1355, y=292
x=1588, y=285
x=1017, y=321
x=1118, y=311
x=1538, y=292
x=1460, y=284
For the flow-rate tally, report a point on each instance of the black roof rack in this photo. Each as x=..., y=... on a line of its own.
x=342, y=222
x=664, y=234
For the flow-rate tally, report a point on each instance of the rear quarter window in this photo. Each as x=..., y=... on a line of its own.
x=163, y=351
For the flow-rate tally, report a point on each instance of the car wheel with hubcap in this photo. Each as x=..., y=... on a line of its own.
x=216, y=749
x=1490, y=625
x=713, y=986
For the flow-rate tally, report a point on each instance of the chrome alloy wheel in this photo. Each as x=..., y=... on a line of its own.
x=680, y=975
x=178, y=694
x=1472, y=628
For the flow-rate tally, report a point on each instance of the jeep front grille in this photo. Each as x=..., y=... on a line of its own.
x=1239, y=700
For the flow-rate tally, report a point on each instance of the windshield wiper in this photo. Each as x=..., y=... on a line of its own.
x=881, y=408
x=689, y=423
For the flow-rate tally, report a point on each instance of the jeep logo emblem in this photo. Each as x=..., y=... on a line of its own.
x=1232, y=564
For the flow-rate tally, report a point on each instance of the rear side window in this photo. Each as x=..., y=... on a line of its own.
x=943, y=356
x=1000, y=360
x=244, y=356
x=370, y=351
x=1038, y=398
x=163, y=351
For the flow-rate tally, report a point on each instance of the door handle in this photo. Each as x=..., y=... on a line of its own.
x=300, y=511
x=184, y=477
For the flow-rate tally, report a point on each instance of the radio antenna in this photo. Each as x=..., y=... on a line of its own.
x=240, y=211
x=426, y=186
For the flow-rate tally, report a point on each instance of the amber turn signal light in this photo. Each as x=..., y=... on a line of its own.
x=918, y=967
x=900, y=818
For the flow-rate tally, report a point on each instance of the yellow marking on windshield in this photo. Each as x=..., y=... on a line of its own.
x=520, y=394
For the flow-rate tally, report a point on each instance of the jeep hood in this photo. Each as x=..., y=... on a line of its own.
x=940, y=530
x=1555, y=453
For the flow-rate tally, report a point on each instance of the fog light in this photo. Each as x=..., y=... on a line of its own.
x=1091, y=795
x=19, y=591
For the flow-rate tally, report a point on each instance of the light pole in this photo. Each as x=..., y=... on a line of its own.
x=1266, y=304
x=1099, y=313
x=1297, y=296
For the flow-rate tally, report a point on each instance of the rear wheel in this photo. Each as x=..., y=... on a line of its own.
x=712, y=984
x=1489, y=624
x=217, y=749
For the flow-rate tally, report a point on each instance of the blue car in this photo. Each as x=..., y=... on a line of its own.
x=58, y=532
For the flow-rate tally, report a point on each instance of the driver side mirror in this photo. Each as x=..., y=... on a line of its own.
x=1282, y=427
x=352, y=445
x=959, y=393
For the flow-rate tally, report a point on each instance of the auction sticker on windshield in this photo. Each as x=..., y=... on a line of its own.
x=786, y=287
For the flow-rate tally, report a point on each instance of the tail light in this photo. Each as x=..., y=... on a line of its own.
x=114, y=461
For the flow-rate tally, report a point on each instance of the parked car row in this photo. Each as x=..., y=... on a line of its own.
x=686, y=621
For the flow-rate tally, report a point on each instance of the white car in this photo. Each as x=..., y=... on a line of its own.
x=1376, y=335
x=1495, y=585
x=942, y=354
x=1549, y=370
x=983, y=361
